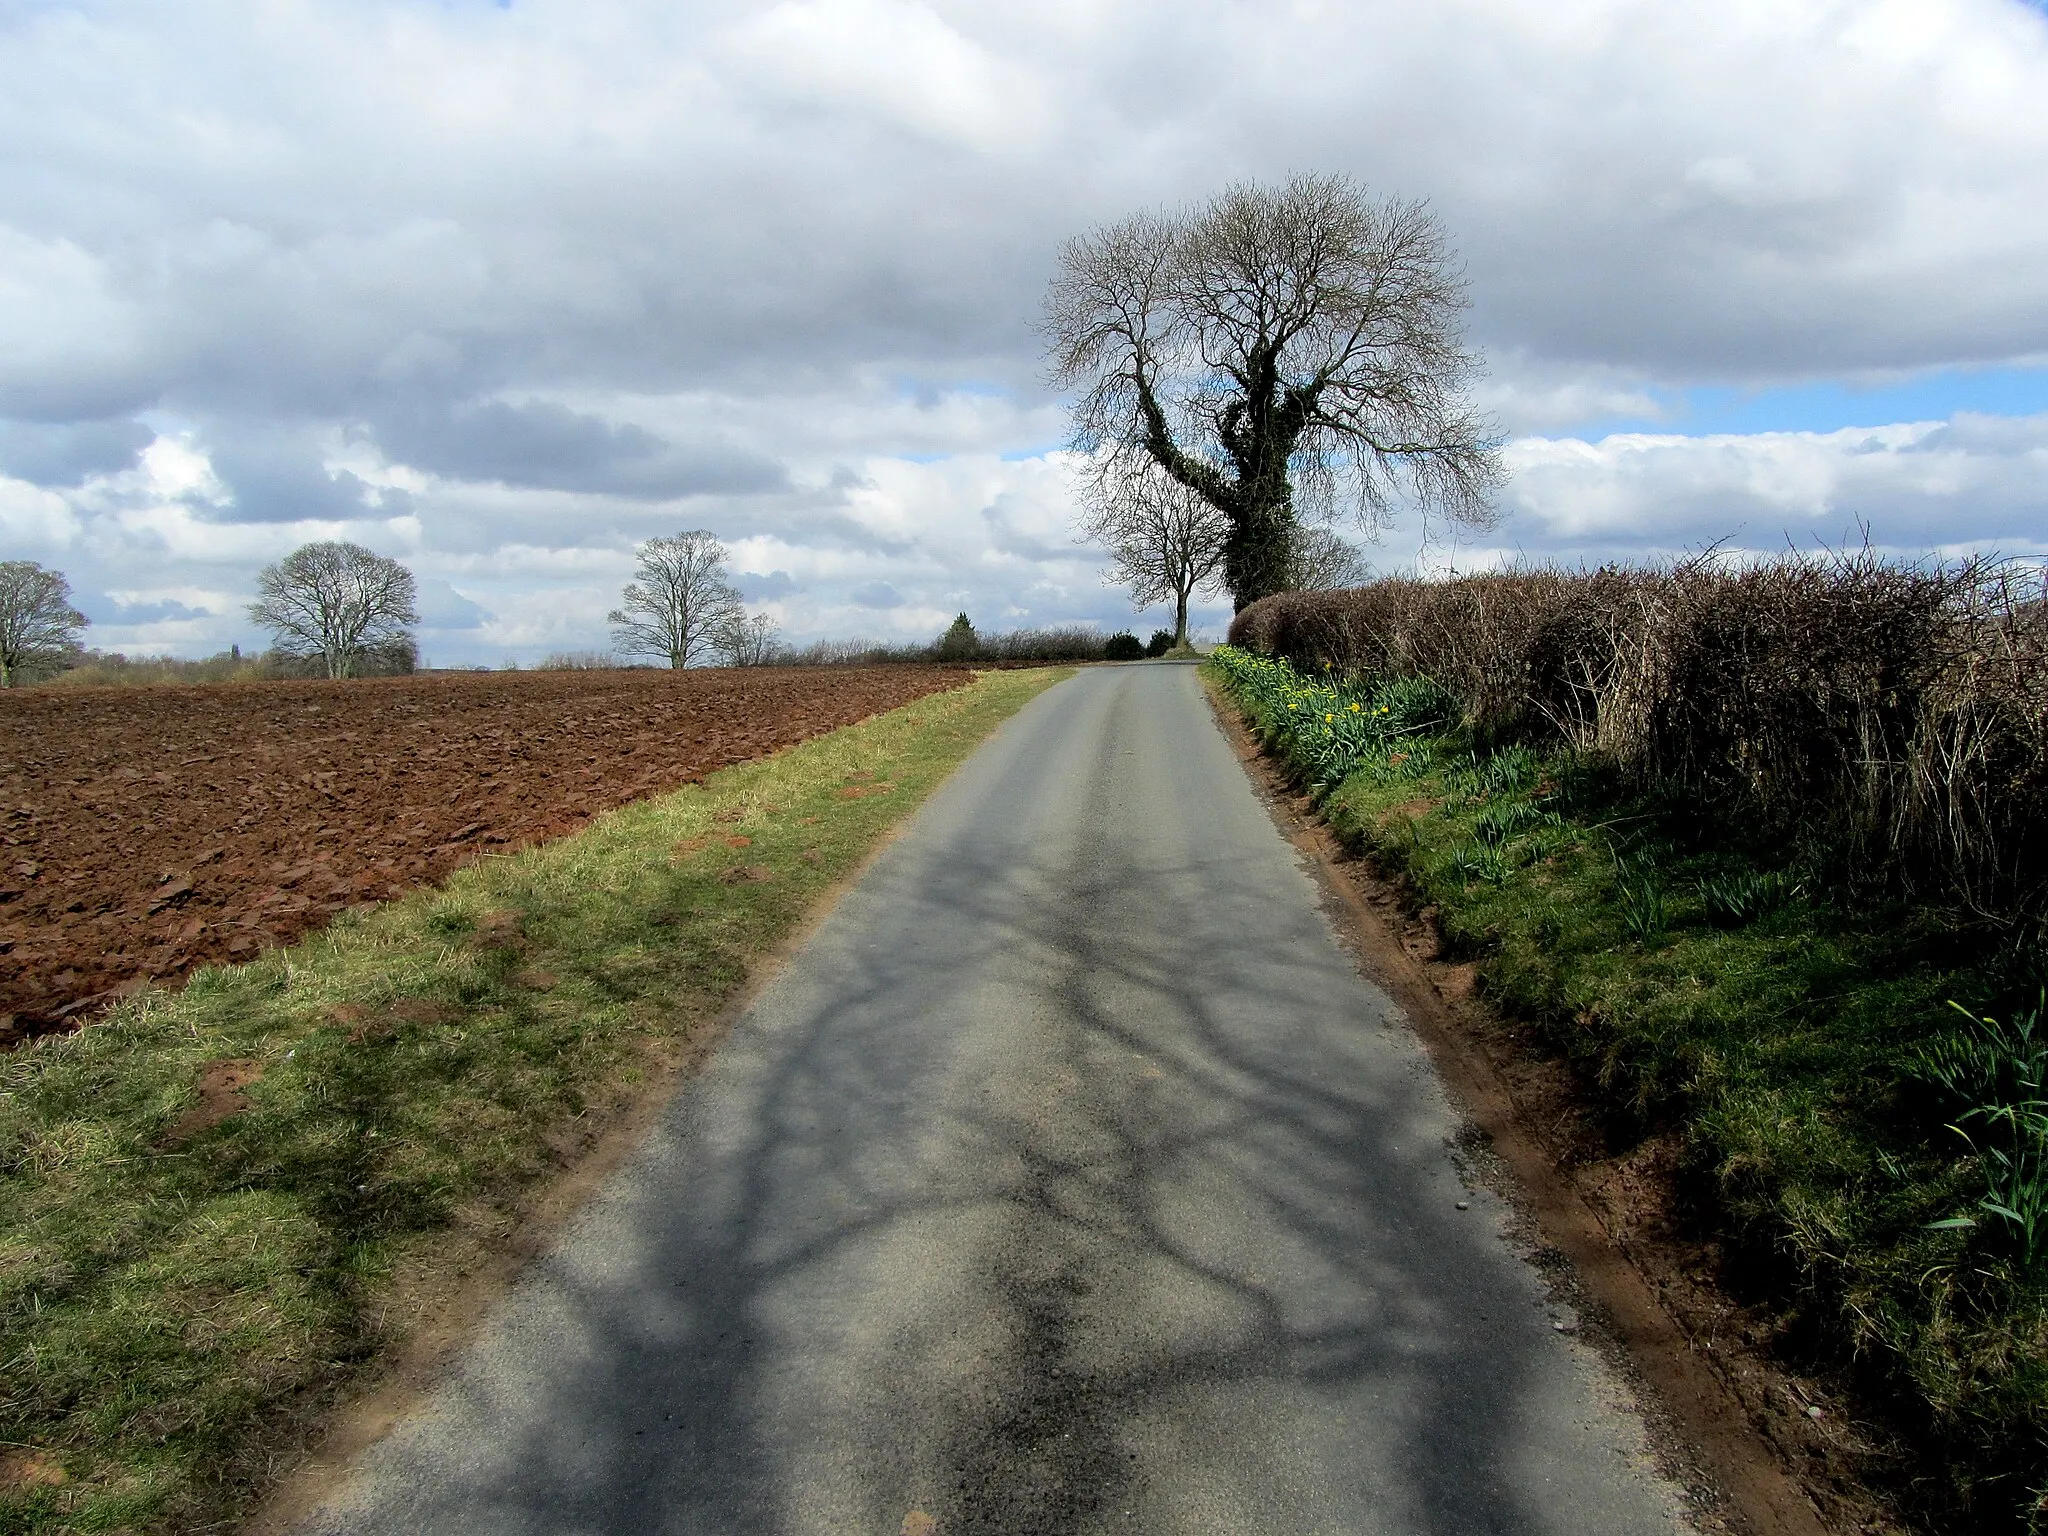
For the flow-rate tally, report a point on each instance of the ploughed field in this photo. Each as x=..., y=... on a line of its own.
x=148, y=831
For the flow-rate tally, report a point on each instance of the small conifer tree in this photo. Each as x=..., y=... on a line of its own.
x=959, y=642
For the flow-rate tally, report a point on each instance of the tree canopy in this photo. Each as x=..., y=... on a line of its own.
x=338, y=603
x=1277, y=350
x=37, y=622
x=680, y=608
x=1165, y=542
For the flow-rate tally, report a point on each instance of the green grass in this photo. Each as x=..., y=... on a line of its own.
x=177, y=1310
x=1794, y=1033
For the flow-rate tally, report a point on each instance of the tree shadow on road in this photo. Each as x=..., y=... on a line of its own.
x=1009, y=1207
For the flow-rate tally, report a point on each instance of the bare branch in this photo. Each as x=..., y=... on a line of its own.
x=1322, y=560
x=1165, y=541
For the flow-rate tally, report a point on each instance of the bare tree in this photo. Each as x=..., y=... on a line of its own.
x=37, y=622
x=1281, y=344
x=681, y=607
x=1164, y=541
x=338, y=604
x=1322, y=560
x=751, y=640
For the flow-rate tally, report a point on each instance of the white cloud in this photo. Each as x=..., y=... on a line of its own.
x=897, y=63
x=1977, y=482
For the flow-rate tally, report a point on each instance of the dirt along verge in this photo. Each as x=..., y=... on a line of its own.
x=146, y=832
x=1780, y=1449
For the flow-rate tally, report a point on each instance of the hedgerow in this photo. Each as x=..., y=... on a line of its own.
x=1892, y=717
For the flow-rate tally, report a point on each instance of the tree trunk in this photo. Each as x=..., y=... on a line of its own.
x=1259, y=432
x=1180, y=618
x=1255, y=559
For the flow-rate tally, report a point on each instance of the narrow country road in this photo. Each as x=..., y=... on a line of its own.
x=1070, y=1179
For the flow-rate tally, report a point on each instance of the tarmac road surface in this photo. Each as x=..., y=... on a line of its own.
x=1069, y=1179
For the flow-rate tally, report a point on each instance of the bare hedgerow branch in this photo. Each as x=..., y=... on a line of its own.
x=1323, y=560
x=751, y=640
x=1896, y=711
x=1280, y=350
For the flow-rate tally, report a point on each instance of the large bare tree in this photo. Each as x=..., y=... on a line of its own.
x=1164, y=541
x=37, y=622
x=339, y=604
x=680, y=609
x=1281, y=349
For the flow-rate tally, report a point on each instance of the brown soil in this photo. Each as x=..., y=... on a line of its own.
x=1734, y=1410
x=220, y=1095
x=21, y=1468
x=147, y=831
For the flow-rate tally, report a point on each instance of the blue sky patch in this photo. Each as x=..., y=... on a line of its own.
x=1829, y=406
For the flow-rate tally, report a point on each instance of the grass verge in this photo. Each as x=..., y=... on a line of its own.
x=216, y=1201
x=1797, y=1038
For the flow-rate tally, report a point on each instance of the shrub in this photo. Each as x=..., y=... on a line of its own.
x=1160, y=643
x=1123, y=647
x=1071, y=643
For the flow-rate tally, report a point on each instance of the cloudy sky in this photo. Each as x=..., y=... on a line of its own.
x=502, y=288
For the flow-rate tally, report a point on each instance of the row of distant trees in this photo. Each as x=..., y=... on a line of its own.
x=338, y=610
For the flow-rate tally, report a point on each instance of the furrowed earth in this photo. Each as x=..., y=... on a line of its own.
x=145, y=832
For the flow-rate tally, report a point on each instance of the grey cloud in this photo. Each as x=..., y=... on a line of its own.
x=1744, y=201
x=108, y=611
x=875, y=594
x=278, y=475
x=547, y=446
x=764, y=589
x=440, y=606
x=66, y=453
x=999, y=516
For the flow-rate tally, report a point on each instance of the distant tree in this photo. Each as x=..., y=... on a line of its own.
x=340, y=606
x=38, y=625
x=751, y=640
x=959, y=642
x=1278, y=345
x=1321, y=560
x=681, y=608
x=579, y=661
x=1164, y=541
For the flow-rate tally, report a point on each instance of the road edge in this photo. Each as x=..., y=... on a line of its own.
x=1755, y=1492
x=415, y=1367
